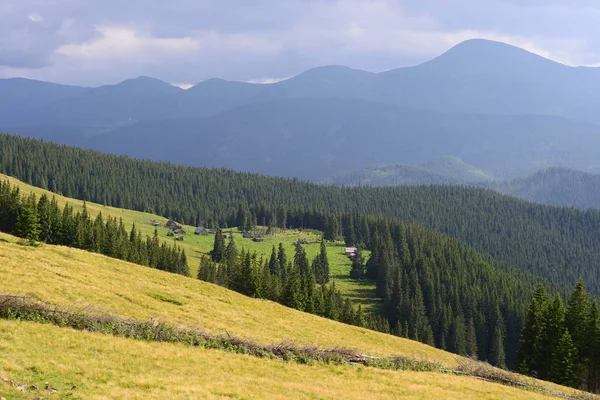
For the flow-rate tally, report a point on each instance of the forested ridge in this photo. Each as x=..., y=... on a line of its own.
x=559, y=244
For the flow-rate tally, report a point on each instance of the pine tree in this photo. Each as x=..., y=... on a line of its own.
x=472, y=350
x=575, y=318
x=497, y=355
x=565, y=365
x=300, y=260
x=533, y=335
x=218, y=250
x=357, y=270
x=28, y=226
x=274, y=264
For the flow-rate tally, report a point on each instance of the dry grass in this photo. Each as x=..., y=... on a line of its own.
x=83, y=365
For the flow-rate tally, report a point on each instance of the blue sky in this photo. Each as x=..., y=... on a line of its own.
x=89, y=42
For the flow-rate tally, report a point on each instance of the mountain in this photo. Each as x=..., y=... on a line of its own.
x=315, y=138
x=19, y=96
x=482, y=76
x=104, y=105
x=476, y=76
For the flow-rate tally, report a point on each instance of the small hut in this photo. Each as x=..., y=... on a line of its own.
x=258, y=239
x=212, y=231
x=180, y=238
x=179, y=231
x=246, y=235
x=172, y=225
x=350, y=251
x=201, y=231
x=170, y=233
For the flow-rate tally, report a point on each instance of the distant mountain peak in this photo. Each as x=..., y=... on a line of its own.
x=485, y=55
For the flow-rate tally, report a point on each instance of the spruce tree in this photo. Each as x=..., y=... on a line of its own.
x=575, y=317
x=565, y=365
x=218, y=250
x=28, y=226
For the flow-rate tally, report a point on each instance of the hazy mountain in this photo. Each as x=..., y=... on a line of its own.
x=18, y=96
x=315, y=138
x=104, y=105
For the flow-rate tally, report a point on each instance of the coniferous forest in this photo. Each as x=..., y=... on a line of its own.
x=455, y=267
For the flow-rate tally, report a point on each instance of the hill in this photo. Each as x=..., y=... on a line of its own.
x=391, y=175
x=556, y=186
x=448, y=170
x=553, y=186
x=76, y=278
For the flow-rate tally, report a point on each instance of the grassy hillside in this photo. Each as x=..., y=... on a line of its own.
x=62, y=275
x=138, y=370
x=195, y=245
x=87, y=365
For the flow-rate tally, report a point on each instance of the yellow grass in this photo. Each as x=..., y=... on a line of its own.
x=92, y=366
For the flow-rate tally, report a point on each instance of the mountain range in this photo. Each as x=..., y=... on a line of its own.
x=500, y=109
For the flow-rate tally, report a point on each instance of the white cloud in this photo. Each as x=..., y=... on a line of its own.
x=267, y=81
x=117, y=43
x=184, y=86
x=33, y=17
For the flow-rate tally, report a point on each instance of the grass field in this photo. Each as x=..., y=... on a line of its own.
x=82, y=365
x=360, y=292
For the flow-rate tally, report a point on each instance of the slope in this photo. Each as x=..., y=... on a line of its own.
x=139, y=370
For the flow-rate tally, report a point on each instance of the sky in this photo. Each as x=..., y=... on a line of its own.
x=91, y=43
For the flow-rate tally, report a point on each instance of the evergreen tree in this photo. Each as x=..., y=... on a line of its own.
x=28, y=226
x=565, y=366
x=218, y=250
x=497, y=355
x=357, y=270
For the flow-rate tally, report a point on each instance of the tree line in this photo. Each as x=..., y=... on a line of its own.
x=43, y=220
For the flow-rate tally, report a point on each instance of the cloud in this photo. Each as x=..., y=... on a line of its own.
x=124, y=43
x=184, y=86
x=266, y=81
x=33, y=17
